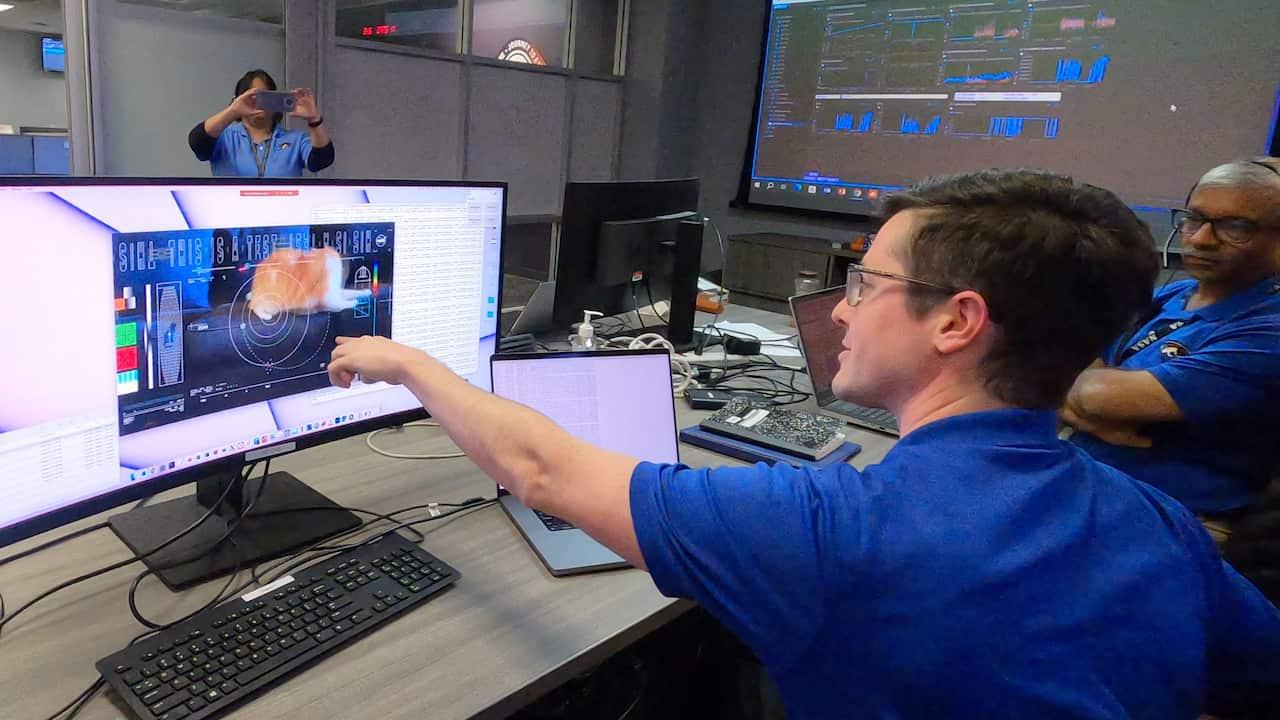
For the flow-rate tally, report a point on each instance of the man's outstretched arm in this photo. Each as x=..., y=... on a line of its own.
x=540, y=463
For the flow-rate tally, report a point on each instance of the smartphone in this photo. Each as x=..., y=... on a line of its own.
x=276, y=102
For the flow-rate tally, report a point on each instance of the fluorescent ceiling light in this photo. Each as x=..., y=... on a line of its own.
x=4, y=7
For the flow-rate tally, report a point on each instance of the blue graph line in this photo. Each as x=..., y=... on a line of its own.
x=868, y=26
x=1070, y=71
x=917, y=23
x=844, y=121
x=911, y=126
x=982, y=77
x=1012, y=127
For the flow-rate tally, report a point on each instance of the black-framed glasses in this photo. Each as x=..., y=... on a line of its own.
x=1229, y=229
x=853, y=286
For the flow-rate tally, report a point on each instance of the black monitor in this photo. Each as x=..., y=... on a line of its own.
x=167, y=332
x=628, y=245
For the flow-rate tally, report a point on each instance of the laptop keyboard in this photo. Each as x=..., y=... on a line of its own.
x=553, y=523
x=873, y=417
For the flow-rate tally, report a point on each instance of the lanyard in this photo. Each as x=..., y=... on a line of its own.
x=266, y=153
x=1138, y=344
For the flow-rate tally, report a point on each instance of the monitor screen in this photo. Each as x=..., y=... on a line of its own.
x=820, y=337
x=582, y=262
x=620, y=401
x=158, y=330
x=53, y=54
x=858, y=98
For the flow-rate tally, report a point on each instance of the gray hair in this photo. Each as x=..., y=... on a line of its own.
x=1257, y=174
x=1260, y=172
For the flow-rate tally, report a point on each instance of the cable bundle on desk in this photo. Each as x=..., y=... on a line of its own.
x=313, y=553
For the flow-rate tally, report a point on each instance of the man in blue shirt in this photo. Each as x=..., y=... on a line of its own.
x=1190, y=400
x=984, y=568
x=242, y=140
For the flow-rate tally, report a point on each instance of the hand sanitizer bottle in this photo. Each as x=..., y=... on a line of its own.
x=585, y=339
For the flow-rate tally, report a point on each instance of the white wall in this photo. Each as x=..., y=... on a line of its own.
x=29, y=95
x=157, y=73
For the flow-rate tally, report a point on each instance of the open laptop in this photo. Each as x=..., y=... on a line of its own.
x=619, y=400
x=820, y=343
x=535, y=316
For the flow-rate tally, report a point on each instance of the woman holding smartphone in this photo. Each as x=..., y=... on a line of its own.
x=246, y=139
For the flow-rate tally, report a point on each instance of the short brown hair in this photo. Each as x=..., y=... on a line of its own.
x=1064, y=267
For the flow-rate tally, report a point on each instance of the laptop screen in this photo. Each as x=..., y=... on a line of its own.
x=820, y=338
x=619, y=401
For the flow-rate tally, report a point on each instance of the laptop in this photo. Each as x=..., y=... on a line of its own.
x=820, y=343
x=619, y=400
x=535, y=316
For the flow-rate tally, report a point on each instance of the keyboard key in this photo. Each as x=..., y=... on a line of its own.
x=122, y=669
x=339, y=604
x=156, y=695
x=131, y=678
x=379, y=607
x=177, y=713
x=341, y=627
x=325, y=636
x=243, y=665
x=180, y=683
x=360, y=617
x=145, y=687
x=227, y=673
x=166, y=676
x=227, y=688
x=195, y=704
x=198, y=689
x=168, y=704
x=149, y=671
x=148, y=656
x=212, y=696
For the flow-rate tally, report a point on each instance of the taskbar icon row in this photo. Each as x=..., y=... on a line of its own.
x=241, y=446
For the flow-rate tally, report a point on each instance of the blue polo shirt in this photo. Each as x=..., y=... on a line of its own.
x=1223, y=370
x=234, y=153
x=985, y=569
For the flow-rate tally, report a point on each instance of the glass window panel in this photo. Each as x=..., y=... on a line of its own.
x=595, y=35
x=523, y=31
x=266, y=11
x=429, y=24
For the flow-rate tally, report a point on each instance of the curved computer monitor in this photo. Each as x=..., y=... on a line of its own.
x=164, y=332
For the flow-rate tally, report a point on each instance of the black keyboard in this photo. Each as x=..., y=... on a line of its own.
x=552, y=522
x=203, y=667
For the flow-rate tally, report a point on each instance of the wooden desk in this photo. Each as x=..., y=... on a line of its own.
x=507, y=633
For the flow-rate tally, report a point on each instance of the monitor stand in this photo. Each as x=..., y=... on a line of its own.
x=287, y=516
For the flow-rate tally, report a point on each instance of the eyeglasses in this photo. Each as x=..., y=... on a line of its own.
x=853, y=286
x=1236, y=231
